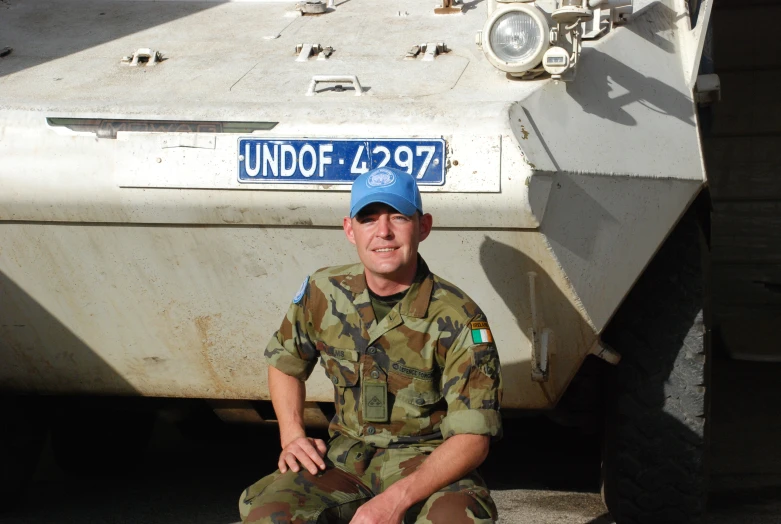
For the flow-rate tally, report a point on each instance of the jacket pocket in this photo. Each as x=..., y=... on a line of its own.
x=343, y=372
x=412, y=396
x=419, y=387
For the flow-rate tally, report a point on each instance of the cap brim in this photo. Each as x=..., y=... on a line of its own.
x=403, y=206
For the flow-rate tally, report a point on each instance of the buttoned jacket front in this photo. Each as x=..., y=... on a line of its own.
x=432, y=358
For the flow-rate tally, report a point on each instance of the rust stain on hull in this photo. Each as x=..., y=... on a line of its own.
x=209, y=338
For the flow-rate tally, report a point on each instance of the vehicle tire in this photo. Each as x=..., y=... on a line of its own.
x=581, y=406
x=100, y=441
x=22, y=436
x=654, y=466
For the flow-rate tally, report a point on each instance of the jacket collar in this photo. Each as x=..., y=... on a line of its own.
x=415, y=302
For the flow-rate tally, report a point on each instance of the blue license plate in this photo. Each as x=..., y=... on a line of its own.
x=338, y=161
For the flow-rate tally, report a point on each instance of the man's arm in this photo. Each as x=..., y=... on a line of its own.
x=287, y=396
x=456, y=457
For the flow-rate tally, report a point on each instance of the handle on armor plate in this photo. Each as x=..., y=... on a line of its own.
x=352, y=79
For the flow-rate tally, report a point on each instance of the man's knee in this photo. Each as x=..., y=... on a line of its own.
x=298, y=497
x=457, y=507
x=250, y=499
x=276, y=512
x=277, y=501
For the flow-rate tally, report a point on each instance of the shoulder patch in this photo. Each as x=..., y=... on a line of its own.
x=301, y=291
x=481, y=333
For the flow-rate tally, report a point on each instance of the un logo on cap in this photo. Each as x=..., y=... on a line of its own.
x=381, y=178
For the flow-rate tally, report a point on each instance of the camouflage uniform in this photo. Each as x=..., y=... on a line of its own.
x=429, y=370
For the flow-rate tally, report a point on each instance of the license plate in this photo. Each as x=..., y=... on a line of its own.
x=338, y=161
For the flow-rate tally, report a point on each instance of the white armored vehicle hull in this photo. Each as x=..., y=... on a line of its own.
x=144, y=252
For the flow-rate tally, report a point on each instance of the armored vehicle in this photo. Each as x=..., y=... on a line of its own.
x=171, y=171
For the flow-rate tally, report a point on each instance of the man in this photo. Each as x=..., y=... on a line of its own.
x=416, y=377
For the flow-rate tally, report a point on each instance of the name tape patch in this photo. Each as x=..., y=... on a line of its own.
x=346, y=354
x=412, y=372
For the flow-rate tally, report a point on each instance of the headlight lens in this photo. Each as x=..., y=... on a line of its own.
x=515, y=37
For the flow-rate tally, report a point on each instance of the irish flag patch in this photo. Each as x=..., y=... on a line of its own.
x=481, y=333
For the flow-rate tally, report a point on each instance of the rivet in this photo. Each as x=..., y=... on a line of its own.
x=335, y=379
x=370, y=430
x=372, y=350
x=375, y=374
x=419, y=401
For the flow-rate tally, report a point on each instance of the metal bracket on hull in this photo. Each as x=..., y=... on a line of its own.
x=694, y=41
x=540, y=337
x=448, y=7
x=605, y=352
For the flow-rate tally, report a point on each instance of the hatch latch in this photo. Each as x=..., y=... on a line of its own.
x=144, y=56
x=305, y=51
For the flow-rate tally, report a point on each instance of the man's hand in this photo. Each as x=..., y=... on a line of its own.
x=309, y=452
x=287, y=396
x=453, y=459
x=382, y=509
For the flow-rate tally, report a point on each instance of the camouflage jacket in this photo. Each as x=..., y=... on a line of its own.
x=427, y=371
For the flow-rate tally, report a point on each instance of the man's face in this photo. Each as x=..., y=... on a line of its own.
x=387, y=241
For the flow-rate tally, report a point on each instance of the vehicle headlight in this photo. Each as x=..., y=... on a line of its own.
x=515, y=38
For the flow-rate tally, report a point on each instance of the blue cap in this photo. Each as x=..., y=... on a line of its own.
x=387, y=186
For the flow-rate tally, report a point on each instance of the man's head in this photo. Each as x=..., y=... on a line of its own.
x=387, y=223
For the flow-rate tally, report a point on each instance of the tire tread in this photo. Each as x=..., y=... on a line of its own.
x=656, y=437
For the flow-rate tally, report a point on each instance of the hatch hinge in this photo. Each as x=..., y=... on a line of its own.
x=448, y=7
x=430, y=51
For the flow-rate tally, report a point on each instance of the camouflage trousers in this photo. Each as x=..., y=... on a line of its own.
x=355, y=472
